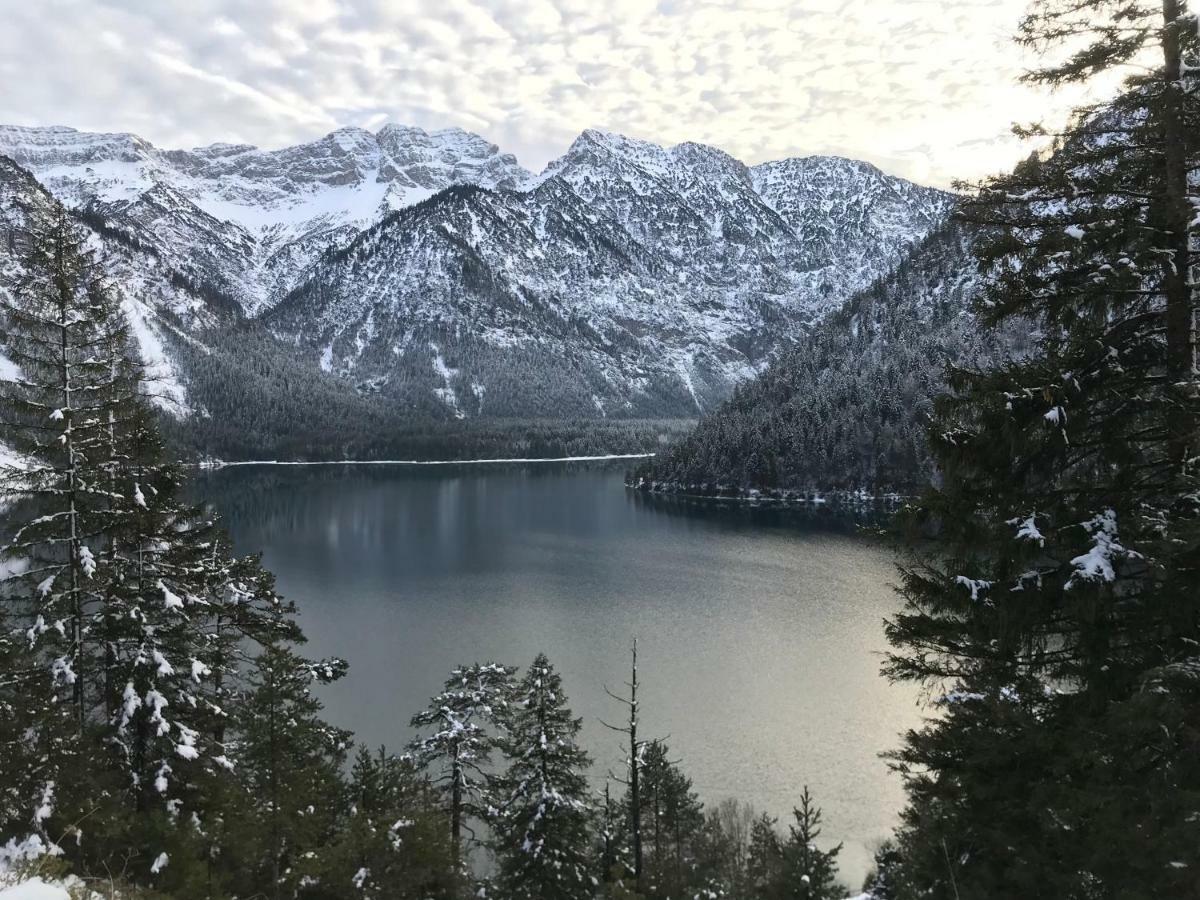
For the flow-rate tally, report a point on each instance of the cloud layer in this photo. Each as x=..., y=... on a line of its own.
x=923, y=88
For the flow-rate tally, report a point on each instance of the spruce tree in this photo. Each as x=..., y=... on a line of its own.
x=464, y=722
x=542, y=823
x=288, y=762
x=809, y=873
x=1060, y=617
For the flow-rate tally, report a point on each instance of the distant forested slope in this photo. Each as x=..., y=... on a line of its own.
x=845, y=408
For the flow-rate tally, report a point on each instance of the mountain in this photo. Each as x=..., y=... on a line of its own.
x=845, y=408
x=429, y=275
x=245, y=221
x=627, y=279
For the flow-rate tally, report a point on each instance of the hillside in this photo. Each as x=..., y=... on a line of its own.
x=845, y=408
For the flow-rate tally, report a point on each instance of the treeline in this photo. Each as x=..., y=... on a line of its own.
x=159, y=731
x=254, y=399
x=847, y=407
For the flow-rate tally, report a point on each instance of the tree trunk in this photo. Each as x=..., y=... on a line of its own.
x=456, y=809
x=65, y=291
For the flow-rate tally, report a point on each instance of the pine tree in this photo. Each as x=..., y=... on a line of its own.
x=392, y=842
x=464, y=717
x=543, y=821
x=1061, y=615
x=809, y=873
x=288, y=762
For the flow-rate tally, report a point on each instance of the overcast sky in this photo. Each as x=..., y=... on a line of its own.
x=922, y=88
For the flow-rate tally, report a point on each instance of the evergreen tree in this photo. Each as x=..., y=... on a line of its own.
x=809, y=873
x=671, y=815
x=465, y=718
x=543, y=822
x=65, y=333
x=288, y=762
x=1061, y=615
x=392, y=842
x=764, y=859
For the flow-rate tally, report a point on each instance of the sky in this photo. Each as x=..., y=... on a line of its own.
x=925, y=89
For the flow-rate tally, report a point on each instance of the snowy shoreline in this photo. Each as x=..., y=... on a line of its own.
x=752, y=496
x=222, y=464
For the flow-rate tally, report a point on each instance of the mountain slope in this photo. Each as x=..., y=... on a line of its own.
x=431, y=276
x=845, y=408
x=248, y=221
x=628, y=280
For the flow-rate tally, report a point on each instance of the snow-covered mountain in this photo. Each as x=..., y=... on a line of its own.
x=846, y=408
x=248, y=222
x=627, y=279
x=157, y=309
x=430, y=270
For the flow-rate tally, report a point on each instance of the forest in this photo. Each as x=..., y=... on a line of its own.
x=253, y=394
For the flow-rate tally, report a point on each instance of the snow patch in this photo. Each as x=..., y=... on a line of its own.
x=163, y=381
x=446, y=393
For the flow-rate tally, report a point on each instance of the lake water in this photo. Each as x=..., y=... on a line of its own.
x=759, y=632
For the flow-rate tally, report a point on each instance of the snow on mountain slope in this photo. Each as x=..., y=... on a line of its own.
x=628, y=279
x=152, y=303
x=855, y=222
x=846, y=407
x=256, y=218
x=625, y=279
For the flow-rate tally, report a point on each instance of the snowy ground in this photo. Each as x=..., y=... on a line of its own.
x=34, y=889
x=221, y=464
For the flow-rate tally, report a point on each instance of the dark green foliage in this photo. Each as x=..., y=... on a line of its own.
x=289, y=762
x=887, y=880
x=260, y=400
x=764, y=863
x=1061, y=614
x=391, y=842
x=671, y=816
x=543, y=819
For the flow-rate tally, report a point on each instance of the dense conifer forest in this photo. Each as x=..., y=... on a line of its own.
x=257, y=401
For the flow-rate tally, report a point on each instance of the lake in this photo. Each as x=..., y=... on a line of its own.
x=759, y=630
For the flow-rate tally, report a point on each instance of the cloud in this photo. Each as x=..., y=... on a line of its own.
x=923, y=88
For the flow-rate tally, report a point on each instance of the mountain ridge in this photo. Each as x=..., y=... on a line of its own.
x=429, y=271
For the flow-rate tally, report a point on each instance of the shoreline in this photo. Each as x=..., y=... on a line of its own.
x=222, y=464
